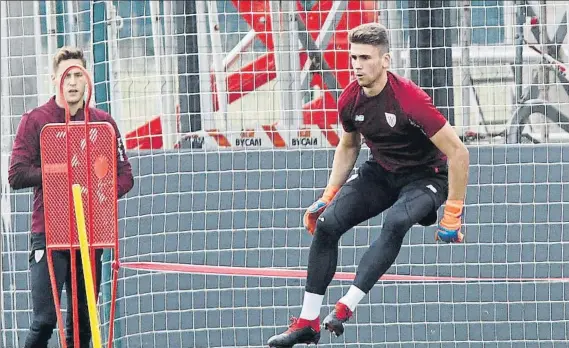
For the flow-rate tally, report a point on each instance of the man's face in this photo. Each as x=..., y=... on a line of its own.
x=74, y=85
x=369, y=63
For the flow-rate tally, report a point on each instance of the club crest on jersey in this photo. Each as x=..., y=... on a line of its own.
x=391, y=119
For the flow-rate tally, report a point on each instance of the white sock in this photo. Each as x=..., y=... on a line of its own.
x=311, y=306
x=353, y=297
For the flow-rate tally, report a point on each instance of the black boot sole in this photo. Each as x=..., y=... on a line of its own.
x=335, y=327
x=314, y=341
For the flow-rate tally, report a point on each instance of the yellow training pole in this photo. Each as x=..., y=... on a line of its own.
x=86, y=262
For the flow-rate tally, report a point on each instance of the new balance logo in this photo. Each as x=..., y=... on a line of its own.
x=359, y=118
x=432, y=188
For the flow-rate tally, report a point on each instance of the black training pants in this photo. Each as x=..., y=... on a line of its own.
x=411, y=198
x=44, y=319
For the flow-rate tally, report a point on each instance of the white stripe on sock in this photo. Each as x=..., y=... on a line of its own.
x=353, y=297
x=311, y=306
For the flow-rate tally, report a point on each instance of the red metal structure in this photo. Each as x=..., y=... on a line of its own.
x=79, y=153
x=320, y=111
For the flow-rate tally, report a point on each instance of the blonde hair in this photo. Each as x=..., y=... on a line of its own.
x=66, y=53
x=370, y=34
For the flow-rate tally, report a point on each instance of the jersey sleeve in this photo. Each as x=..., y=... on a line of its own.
x=125, y=180
x=422, y=112
x=24, y=170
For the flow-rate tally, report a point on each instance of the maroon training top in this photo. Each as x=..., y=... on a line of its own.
x=25, y=163
x=396, y=124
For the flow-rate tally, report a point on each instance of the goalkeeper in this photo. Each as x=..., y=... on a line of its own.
x=410, y=143
x=25, y=172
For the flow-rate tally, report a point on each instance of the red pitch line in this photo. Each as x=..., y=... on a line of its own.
x=300, y=274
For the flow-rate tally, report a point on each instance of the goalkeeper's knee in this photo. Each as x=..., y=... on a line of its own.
x=328, y=229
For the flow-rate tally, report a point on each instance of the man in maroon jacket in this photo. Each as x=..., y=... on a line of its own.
x=407, y=176
x=25, y=171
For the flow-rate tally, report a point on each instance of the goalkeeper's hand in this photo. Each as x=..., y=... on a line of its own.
x=313, y=212
x=448, y=230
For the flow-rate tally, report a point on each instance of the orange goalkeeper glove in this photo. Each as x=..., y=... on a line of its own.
x=448, y=230
x=314, y=211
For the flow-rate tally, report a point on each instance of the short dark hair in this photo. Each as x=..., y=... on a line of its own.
x=370, y=34
x=66, y=53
